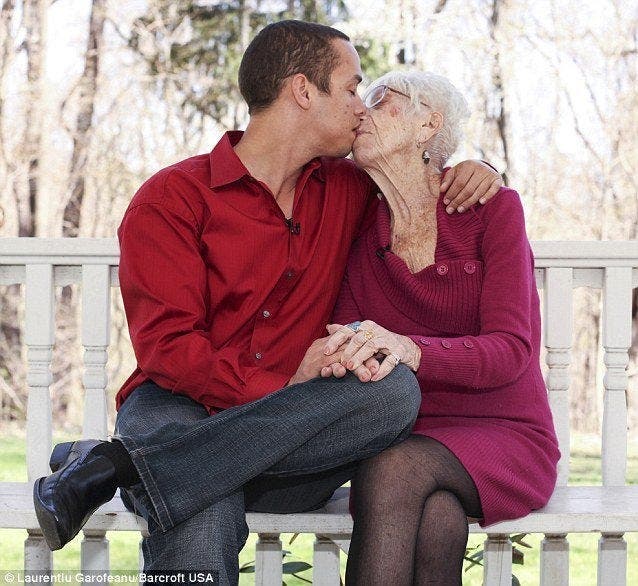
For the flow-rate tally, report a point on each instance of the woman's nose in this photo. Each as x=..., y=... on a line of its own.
x=361, y=109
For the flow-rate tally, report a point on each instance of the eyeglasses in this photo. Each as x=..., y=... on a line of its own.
x=375, y=97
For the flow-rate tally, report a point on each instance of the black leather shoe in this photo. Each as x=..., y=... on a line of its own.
x=81, y=482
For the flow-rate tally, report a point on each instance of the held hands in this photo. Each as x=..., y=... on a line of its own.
x=359, y=350
x=313, y=361
x=469, y=182
x=317, y=362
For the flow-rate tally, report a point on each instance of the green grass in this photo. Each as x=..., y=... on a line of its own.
x=585, y=469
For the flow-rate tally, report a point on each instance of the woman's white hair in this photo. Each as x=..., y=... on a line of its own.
x=437, y=92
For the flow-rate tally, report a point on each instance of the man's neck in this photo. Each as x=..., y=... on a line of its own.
x=274, y=154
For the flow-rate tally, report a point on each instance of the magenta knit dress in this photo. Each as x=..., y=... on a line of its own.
x=475, y=315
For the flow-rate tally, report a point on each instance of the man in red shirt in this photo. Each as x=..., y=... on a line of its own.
x=230, y=266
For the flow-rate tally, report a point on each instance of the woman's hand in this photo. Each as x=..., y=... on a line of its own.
x=469, y=182
x=366, y=343
x=364, y=373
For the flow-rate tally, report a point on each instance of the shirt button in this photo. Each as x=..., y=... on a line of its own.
x=424, y=342
x=469, y=268
x=290, y=274
x=442, y=269
x=258, y=356
x=265, y=313
x=446, y=344
x=468, y=343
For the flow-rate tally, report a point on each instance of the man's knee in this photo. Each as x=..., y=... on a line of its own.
x=399, y=396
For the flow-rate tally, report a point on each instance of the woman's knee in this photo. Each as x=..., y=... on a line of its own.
x=444, y=519
x=393, y=479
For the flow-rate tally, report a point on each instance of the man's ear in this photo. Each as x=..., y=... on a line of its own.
x=301, y=90
x=430, y=127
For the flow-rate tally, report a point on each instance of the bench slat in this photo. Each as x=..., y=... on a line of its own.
x=572, y=509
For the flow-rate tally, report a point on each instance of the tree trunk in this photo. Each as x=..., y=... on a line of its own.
x=7, y=165
x=21, y=188
x=81, y=140
x=500, y=116
x=34, y=43
x=246, y=9
x=66, y=366
x=6, y=41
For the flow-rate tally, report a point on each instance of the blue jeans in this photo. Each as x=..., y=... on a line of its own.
x=284, y=453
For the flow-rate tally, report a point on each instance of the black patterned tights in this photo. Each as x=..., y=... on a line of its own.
x=411, y=504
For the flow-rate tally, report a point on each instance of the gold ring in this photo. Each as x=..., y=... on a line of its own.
x=368, y=335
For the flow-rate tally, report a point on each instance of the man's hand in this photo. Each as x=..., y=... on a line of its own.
x=314, y=361
x=317, y=363
x=469, y=182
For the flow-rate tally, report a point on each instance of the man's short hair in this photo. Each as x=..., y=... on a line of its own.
x=283, y=49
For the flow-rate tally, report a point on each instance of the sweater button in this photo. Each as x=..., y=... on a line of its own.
x=469, y=268
x=424, y=342
x=468, y=343
x=442, y=269
x=446, y=344
x=258, y=356
x=265, y=313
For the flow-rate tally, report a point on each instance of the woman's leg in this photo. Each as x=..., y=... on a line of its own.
x=402, y=510
x=441, y=541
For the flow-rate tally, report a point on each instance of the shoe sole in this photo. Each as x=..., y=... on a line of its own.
x=46, y=519
x=59, y=456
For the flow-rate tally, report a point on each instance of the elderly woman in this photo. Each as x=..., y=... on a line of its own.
x=453, y=298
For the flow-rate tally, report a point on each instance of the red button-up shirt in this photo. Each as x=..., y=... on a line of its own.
x=222, y=295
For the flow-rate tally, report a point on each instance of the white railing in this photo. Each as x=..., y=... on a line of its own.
x=610, y=509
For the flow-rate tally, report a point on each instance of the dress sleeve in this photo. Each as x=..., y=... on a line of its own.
x=502, y=350
x=164, y=288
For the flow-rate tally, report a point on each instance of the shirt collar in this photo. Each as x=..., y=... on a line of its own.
x=226, y=167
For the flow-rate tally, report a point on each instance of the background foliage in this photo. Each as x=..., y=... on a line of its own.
x=96, y=95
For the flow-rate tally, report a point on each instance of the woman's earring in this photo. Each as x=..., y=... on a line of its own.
x=426, y=157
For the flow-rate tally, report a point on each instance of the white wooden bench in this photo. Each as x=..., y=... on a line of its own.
x=610, y=509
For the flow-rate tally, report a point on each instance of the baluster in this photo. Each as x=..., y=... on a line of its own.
x=558, y=328
x=326, y=570
x=94, y=556
x=96, y=323
x=616, y=341
x=39, y=339
x=140, y=560
x=497, y=561
x=554, y=561
x=38, y=560
x=612, y=560
x=268, y=560
x=96, y=291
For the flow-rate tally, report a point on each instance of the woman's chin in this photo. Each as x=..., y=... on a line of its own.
x=357, y=151
x=358, y=155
